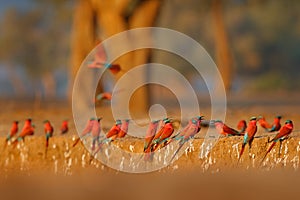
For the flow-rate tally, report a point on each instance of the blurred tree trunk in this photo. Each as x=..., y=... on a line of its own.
x=224, y=59
x=112, y=17
x=49, y=85
x=16, y=82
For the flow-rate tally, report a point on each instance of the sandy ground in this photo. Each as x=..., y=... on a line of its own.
x=66, y=173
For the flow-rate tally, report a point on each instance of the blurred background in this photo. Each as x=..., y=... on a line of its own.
x=255, y=44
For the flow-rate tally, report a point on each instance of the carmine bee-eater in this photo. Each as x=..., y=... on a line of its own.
x=100, y=61
x=104, y=95
x=249, y=135
x=110, y=136
x=225, y=130
x=124, y=128
x=263, y=123
x=183, y=132
x=242, y=126
x=86, y=130
x=48, y=128
x=283, y=134
x=95, y=132
x=276, y=125
x=114, y=131
x=64, y=127
x=193, y=129
x=150, y=135
x=13, y=131
x=163, y=135
x=27, y=130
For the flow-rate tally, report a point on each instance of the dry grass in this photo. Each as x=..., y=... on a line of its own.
x=61, y=158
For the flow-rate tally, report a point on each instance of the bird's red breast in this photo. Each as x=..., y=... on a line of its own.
x=167, y=131
x=14, y=129
x=251, y=129
x=113, y=131
x=284, y=131
x=124, y=129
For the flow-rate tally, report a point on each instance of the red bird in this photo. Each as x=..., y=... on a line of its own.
x=276, y=125
x=150, y=135
x=183, y=133
x=193, y=129
x=104, y=95
x=13, y=131
x=249, y=135
x=242, y=126
x=124, y=129
x=281, y=136
x=263, y=123
x=48, y=128
x=86, y=130
x=27, y=130
x=110, y=136
x=64, y=127
x=225, y=130
x=95, y=132
x=163, y=135
x=100, y=60
x=114, y=131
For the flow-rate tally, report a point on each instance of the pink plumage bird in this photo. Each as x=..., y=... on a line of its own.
x=48, y=128
x=242, y=126
x=86, y=130
x=27, y=130
x=13, y=131
x=225, y=130
x=64, y=127
x=150, y=135
x=192, y=130
x=249, y=135
x=163, y=135
x=95, y=132
x=283, y=133
x=100, y=61
x=124, y=128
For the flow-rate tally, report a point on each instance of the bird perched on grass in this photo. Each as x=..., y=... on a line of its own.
x=193, y=129
x=283, y=134
x=183, y=132
x=114, y=131
x=163, y=135
x=124, y=128
x=151, y=131
x=242, y=126
x=27, y=130
x=86, y=130
x=95, y=132
x=276, y=125
x=64, y=127
x=249, y=135
x=110, y=136
x=13, y=131
x=48, y=128
x=263, y=123
x=225, y=130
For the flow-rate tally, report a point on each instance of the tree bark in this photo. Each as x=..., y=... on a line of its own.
x=100, y=19
x=224, y=59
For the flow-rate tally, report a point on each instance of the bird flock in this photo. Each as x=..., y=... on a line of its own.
x=159, y=134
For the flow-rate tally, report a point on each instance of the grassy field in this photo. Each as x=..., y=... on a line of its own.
x=65, y=172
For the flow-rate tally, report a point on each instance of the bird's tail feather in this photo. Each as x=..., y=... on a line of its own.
x=270, y=148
